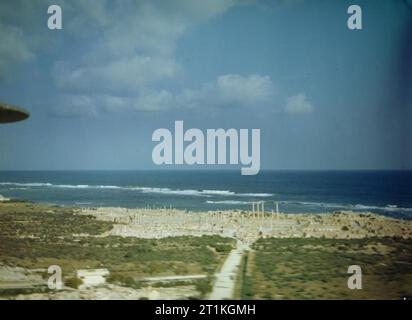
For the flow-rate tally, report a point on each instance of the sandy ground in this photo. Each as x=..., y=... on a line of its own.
x=248, y=226
x=245, y=226
x=114, y=292
x=224, y=287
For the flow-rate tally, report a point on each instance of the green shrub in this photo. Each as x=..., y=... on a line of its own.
x=73, y=282
x=123, y=280
x=204, y=286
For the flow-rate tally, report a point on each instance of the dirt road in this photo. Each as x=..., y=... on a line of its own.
x=226, y=279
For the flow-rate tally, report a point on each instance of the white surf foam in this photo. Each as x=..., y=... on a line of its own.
x=362, y=207
x=228, y=202
x=183, y=192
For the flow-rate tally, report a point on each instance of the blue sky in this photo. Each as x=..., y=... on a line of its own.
x=324, y=97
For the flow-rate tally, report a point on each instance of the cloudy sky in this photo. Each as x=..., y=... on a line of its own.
x=324, y=97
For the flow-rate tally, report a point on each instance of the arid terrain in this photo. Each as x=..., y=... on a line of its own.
x=176, y=254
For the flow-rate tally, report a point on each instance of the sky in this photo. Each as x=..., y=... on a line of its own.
x=325, y=97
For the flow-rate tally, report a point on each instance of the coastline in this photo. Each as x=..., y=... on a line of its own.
x=180, y=254
x=382, y=192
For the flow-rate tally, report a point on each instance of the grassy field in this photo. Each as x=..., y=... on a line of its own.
x=317, y=269
x=37, y=236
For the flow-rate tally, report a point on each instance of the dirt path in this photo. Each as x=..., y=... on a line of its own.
x=175, y=278
x=226, y=279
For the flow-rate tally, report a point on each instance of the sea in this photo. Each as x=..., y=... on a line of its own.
x=384, y=192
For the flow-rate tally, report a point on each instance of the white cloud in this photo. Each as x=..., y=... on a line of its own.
x=77, y=106
x=120, y=48
x=133, y=50
x=226, y=91
x=13, y=48
x=298, y=104
x=89, y=106
x=154, y=101
x=135, y=44
x=231, y=90
x=119, y=75
x=125, y=51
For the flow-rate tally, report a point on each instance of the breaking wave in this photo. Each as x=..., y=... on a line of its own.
x=182, y=192
x=354, y=207
x=229, y=202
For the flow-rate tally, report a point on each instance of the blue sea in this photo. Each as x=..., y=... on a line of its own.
x=384, y=192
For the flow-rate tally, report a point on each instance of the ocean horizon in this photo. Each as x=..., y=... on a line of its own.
x=387, y=192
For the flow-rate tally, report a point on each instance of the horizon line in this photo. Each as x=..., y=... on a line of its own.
x=192, y=169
